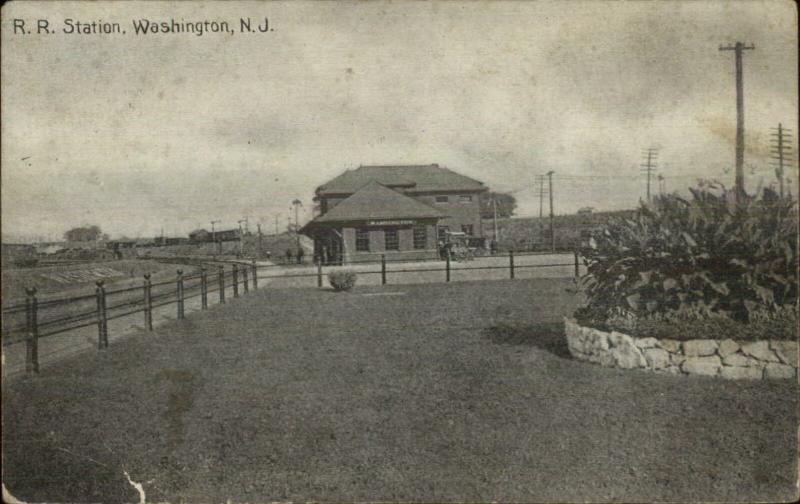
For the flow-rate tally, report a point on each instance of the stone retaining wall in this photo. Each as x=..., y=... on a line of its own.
x=753, y=360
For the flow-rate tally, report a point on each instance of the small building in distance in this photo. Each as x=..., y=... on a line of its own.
x=400, y=211
x=227, y=235
x=199, y=236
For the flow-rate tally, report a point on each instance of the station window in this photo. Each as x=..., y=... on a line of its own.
x=442, y=199
x=467, y=229
x=420, y=237
x=465, y=198
x=362, y=240
x=443, y=233
x=391, y=240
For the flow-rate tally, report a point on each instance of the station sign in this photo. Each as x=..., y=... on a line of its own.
x=390, y=222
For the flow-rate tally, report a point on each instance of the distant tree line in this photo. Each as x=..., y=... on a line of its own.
x=85, y=234
x=506, y=204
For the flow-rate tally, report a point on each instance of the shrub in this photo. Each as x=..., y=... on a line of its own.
x=696, y=258
x=342, y=280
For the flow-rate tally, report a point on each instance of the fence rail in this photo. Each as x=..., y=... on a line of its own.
x=44, y=318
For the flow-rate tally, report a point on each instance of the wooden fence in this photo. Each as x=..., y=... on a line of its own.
x=32, y=319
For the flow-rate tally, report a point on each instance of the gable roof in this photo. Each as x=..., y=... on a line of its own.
x=376, y=201
x=415, y=177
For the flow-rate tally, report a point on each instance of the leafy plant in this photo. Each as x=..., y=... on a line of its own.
x=708, y=254
x=342, y=280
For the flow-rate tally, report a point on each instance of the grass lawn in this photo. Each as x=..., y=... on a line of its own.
x=435, y=392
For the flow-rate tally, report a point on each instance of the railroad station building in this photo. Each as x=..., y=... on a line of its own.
x=400, y=211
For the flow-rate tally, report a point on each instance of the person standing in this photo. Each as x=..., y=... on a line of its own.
x=300, y=254
x=289, y=256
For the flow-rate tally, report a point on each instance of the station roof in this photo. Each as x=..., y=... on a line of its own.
x=416, y=178
x=376, y=201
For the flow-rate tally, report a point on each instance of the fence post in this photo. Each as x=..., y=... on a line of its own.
x=511, y=262
x=245, y=281
x=319, y=273
x=255, y=275
x=221, y=270
x=447, y=266
x=148, y=303
x=32, y=350
x=383, y=269
x=235, y=280
x=203, y=289
x=577, y=266
x=102, y=321
x=180, y=294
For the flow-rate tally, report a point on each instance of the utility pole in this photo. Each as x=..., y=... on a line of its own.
x=297, y=204
x=541, y=205
x=781, y=152
x=649, y=165
x=738, y=48
x=541, y=195
x=213, y=231
x=494, y=207
x=552, y=223
x=661, y=184
x=276, y=224
x=241, y=237
x=260, y=247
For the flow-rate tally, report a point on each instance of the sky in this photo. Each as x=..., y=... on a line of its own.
x=169, y=131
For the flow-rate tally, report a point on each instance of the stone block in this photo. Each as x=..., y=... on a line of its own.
x=627, y=356
x=601, y=357
x=741, y=373
x=619, y=339
x=645, y=342
x=676, y=359
x=741, y=360
x=599, y=340
x=786, y=351
x=699, y=347
x=779, y=371
x=760, y=350
x=670, y=345
x=727, y=347
x=656, y=358
x=706, y=366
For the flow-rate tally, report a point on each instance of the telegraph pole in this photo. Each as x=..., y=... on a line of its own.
x=213, y=231
x=494, y=207
x=297, y=204
x=541, y=195
x=260, y=248
x=661, y=184
x=552, y=223
x=738, y=48
x=541, y=205
x=241, y=237
x=781, y=152
x=649, y=165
